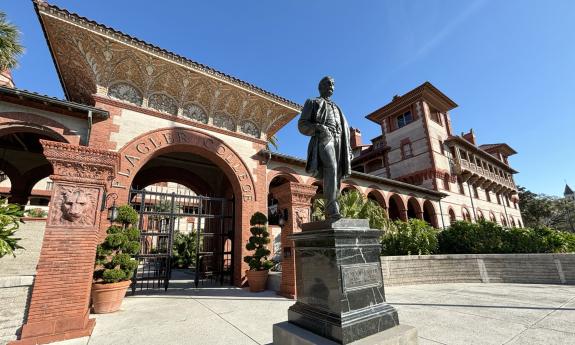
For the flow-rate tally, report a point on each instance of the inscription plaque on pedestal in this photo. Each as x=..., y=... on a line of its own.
x=361, y=276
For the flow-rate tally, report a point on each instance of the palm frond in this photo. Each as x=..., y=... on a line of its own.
x=10, y=47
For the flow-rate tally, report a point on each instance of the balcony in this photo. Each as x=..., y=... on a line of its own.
x=481, y=177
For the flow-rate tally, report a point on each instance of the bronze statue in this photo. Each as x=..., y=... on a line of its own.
x=329, y=151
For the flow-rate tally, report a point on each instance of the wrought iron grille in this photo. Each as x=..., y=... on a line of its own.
x=209, y=220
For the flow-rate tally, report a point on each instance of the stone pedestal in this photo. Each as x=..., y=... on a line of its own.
x=339, y=282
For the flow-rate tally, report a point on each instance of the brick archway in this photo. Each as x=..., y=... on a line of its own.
x=135, y=154
x=140, y=150
x=13, y=122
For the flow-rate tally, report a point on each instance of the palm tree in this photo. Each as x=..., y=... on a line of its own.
x=272, y=141
x=354, y=205
x=10, y=46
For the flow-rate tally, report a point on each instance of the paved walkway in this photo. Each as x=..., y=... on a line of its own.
x=464, y=314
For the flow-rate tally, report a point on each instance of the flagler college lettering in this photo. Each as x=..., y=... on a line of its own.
x=133, y=154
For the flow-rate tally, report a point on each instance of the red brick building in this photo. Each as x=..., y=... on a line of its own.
x=136, y=115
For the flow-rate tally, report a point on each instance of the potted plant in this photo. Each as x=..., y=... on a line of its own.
x=115, y=264
x=259, y=264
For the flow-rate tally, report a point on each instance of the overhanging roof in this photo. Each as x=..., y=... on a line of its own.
x=52, y=101
x=90, y=57
x=426, y=90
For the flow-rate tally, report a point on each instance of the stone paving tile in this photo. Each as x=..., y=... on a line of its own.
x=511, y=311
x=540, y=336
x=453, y=328
x=448, y=314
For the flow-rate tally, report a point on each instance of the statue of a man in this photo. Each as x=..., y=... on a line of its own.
x=329, y=151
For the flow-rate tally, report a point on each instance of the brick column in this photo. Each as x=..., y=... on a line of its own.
x=59, y=305
x=296, y=197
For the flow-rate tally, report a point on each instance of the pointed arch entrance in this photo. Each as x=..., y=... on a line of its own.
x=202, y=163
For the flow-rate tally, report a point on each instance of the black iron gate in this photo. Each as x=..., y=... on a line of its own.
x=207, y=221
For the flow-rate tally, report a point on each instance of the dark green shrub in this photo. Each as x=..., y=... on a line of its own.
x=463, y=237
x=257, y=243
x=10, y=215
x=114, y=256
x=127, y=215
x=415, y=237
x=184, y=250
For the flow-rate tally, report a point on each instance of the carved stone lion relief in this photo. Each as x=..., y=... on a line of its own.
x=301, y=216
x=74, y=206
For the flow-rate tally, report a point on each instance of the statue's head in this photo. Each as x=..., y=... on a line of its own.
x=326, y=87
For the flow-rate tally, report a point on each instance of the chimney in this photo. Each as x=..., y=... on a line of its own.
x=6, y=79
x=354, y=137
x=469, y=136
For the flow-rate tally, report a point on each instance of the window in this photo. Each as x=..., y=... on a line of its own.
x=475, y=192
x=488, y=195
x=460, y=183
x=498, y=198
x=406, y=149
x=452, y=218
x=446, y=182
x=441, y=147
x=435, y=116
x=507, y=201
x=404, y=119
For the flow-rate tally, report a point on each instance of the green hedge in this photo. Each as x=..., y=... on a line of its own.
x=416, y=237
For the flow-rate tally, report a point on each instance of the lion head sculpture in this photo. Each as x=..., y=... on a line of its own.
x=75, y=205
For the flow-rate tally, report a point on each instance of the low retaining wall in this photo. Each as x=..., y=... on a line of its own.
x=16, y=278
x=479, y=268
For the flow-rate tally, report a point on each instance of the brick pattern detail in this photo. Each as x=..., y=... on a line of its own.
x=296, y=197
x=59, y=305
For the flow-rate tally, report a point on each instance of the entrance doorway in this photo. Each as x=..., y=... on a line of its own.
x=187, y=219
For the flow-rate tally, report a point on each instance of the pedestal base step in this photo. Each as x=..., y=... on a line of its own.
x=286, y=333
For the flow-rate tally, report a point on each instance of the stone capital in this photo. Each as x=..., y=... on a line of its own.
x=80, y=163
x=294, y=194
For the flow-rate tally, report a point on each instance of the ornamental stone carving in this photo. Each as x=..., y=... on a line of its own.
x=163, y=103
x=224, y=121
x=80, y=163
x=94, y=58
x=125, y=92
x=195, y=112
x=74, y=205
x=250, y=128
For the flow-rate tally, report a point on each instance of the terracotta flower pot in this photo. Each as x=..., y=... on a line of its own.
x=107, y=298
x=257, y=280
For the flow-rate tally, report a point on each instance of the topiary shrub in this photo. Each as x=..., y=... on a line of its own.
x=415, y=237
x=257, y=243
x=127, y=215
x=115, y=256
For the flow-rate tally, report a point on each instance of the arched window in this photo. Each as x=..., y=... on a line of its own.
x=163, y=103
x=465, y=214
x=452, y=218
x=224, y=121
x=250, y=128
x=126, y=92
x=195, y=112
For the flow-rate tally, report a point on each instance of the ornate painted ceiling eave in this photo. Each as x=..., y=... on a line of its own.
x=91, y=58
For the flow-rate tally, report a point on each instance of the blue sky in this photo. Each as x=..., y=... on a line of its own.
x=510, y=65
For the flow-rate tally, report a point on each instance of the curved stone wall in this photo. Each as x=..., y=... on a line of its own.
x=479, y=268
